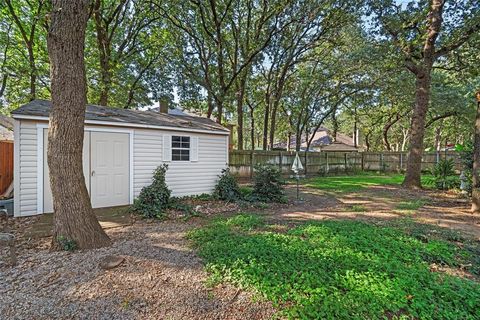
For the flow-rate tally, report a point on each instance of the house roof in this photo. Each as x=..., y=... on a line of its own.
x=339, y=147
x=6, y=128
x=321, y=138
x=125, y=117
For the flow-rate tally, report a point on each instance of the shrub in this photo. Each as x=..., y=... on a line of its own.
x=155, y=198
x=227, y=187
x=267, y=184
x=444, y=174
x=67, y=244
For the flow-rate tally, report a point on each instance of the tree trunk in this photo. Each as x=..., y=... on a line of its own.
x=405, y=135
x=240, y=99
x=367, y=141
x=252, y=128
x=209, y=105
x=414, y=164
x=265, y=124
x=438, y=137
x=73, y=217
x=273, y=124
x=335, y=126
x=298, y=140
x=33, y=72
x=104, y=55
x=476, y=165
x=386, y=128
x=219, y=111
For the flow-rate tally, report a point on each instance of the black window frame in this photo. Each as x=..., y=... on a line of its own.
x=180, y=148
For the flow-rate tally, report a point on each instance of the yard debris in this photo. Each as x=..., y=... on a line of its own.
x=110, y=262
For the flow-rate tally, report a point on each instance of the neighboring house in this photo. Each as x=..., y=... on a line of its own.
x=6, y=128
x=322, y=141
x=122, y=148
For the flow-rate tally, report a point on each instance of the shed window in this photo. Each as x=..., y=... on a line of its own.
x=180, y=148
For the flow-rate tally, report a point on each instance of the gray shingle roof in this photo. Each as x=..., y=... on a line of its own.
x=41, y=108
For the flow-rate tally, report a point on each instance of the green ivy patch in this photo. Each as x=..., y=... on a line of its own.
x=340, y=269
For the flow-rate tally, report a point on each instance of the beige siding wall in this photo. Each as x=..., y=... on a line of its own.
x=183, y=178
x=26, y=171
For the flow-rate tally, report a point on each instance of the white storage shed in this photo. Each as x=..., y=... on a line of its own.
x=121, y=150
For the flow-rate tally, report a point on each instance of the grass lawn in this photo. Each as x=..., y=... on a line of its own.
x=410, y=206
x=354, y=183
x=344, y=269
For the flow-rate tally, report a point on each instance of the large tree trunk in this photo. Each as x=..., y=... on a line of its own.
x=422, y=95
x=476, y=165
x=74, y=219
x=417, y=133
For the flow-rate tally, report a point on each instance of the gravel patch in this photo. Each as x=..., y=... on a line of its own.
x=160, y=278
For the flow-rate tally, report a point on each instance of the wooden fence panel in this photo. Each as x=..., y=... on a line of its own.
x=242, y=162
x=6, y=165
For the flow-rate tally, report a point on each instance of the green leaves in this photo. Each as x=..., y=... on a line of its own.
x=227, y=187
x=340, y=269
x=155, y=198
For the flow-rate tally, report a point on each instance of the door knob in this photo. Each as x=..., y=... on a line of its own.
x=93, y=173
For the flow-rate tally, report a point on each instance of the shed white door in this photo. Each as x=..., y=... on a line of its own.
x=47, y=191
x=109, y=171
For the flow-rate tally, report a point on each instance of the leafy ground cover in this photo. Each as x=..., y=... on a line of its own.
x=344, y=269
x=358, y=182
x=411, y=205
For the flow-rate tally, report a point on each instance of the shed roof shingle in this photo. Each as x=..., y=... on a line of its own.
x=41, y=108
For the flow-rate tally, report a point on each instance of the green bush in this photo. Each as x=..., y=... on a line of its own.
x=444, y=175
x=227, y=187
x=267, y=184
x=67, y=244
x=155, y=198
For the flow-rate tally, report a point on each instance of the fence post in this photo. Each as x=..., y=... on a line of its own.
x=381, y=161
x=252, y=163
x=305, y=170
x=345, y=159
x=363, y=162
x=326, y=158
x=280, y=165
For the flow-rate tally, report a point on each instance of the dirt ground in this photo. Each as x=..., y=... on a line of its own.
x=448, y=210
x=162, y=277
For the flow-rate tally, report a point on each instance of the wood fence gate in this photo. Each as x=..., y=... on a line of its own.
x=6, y=165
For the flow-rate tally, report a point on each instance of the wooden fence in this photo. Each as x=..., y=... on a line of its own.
x=241, y=162
x=6, y=165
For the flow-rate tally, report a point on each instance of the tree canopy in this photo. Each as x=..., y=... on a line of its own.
x=276, y=70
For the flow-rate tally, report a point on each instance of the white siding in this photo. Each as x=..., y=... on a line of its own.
x=147, y=155
x=183, y=178
x=26, y=171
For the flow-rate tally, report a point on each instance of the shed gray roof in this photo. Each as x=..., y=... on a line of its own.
x=41, y=108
